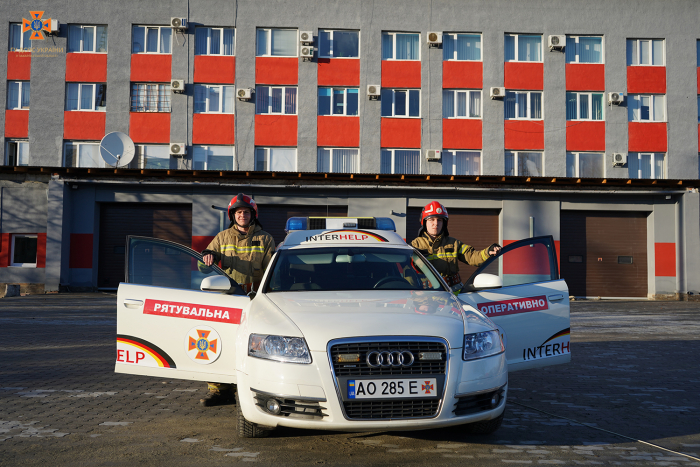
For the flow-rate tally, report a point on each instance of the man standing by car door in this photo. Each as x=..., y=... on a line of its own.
x=244, y=250
x=445, y=252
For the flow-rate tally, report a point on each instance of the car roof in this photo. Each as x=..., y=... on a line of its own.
x=342, y=237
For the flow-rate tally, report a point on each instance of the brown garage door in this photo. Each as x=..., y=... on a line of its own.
x=117, y=220
x=475, y=227
x=604, y=254
x=274, y=217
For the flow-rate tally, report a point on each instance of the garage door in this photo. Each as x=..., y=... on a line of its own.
x=117, y=220
x=604, y=254
x=475, y=227
x=274, y=217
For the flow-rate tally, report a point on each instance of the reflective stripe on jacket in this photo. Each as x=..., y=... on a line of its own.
x=444, y=253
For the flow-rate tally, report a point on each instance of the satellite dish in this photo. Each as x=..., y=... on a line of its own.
x=117, y=149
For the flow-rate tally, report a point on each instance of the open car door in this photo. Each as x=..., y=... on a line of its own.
x=520, y=290
x=167, y=326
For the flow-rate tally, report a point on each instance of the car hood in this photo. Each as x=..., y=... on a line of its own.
x=323, y=316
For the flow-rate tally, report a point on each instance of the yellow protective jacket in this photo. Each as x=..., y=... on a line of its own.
x=444, y=253
x=244, y=257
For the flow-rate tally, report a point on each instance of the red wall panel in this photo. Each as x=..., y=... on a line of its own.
x=90, y=68
x=338, y=72
x=5, y=247
x=41, y=250
x=401, y=133
x=80, y=251
x=149, y=127
x=16, y=123
x=214, y=70
x=665, y=259
x=400, y=73
x=153, y=68
x=585, y=136
x=461, y=75
x=646, y=79
x=585, y=77
x=19, y=66
x=213, y=129
x=523, y=75
x=524, y=134
x=343, y=132
x=276, y=70
x=275, y=130
x=83, y=125
x=461, y=133
x=201, y=242
x=647, y=137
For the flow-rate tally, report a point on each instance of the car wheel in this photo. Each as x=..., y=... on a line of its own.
x=486, y=427
x=248, y=429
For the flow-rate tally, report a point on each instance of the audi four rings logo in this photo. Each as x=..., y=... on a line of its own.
x=387, y=358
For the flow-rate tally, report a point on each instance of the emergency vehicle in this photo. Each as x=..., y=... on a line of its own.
x=351, y=329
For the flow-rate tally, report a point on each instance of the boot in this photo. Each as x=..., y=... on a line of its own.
x=219, y=393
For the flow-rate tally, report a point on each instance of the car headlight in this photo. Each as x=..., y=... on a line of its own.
x=482, y=344
x=279, y=348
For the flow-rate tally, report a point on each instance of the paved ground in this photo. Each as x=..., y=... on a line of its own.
x=634, y=371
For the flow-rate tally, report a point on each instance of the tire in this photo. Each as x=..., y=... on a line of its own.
x=248, y=429
x=486, y=427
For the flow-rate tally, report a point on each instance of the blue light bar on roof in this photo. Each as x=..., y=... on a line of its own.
x=295, y=223
x=367, y=223
x=385, y=223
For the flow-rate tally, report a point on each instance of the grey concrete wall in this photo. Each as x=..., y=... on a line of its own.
x=665, y=232
x=23, y=208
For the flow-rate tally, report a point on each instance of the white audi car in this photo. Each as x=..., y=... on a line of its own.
x=351, y=329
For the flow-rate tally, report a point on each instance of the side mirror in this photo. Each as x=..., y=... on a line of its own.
x=487, y=281
x=222, y=284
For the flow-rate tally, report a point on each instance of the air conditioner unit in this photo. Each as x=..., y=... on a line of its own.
x=434, y=38
x=497, y=93
x=307, y=52
x=245, y=94
x=616, y=98
x=54, y=26
x=374, y=91
x=619, y=159
x=433, y=154
x=178, y=149
x=177, y=85
x=557, y=42
x=179, y=24
x=306, y=37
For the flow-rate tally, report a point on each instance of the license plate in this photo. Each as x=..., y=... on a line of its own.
x=391, y=388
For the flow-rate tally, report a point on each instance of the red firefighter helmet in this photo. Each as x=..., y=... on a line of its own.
x=433, y=209
x=242, y=201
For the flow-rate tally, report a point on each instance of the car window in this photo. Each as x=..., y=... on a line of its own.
x=356, y=268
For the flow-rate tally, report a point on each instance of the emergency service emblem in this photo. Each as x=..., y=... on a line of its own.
x=203, y=345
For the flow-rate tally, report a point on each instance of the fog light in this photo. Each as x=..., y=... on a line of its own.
x=494, y=400
x=273, y=406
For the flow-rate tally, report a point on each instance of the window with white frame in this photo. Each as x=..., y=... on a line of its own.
x=275, y=159
x=524, y=164
x=17, y=95
x=338, y=101
x=146, y=97
x=400, y=103
x=338, y=160
x=646, y=108
x=585, y=165
x=86, y=96
x=645, y=52
x=646, y=165
x=16, y=153
x=273, y=42
x=461, y=162
x=87, y=38
x=79, y=154
x=461, y=47
x=584, y=49
x=399, y=161
x=333, y=43
x=152, y=156
x=461, y=103
x=584, y=106
x=152, y=40
x=213, y=98
x=276, y=100
x=213, y=158
x=523, y=105
x=214, y=41
x=523, y=48
x=19, y=40
x=24, y=248
x=400, y=46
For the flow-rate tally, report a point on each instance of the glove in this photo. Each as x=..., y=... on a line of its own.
x=491, y=247
x=215, y=254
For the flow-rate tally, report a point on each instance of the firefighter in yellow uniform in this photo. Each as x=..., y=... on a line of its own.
x=445, y=252
x=244, y=250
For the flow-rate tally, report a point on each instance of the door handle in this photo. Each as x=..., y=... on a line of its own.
x=131, y=303
x=554, y=298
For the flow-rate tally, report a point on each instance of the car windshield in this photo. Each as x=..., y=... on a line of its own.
x=355, y=268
